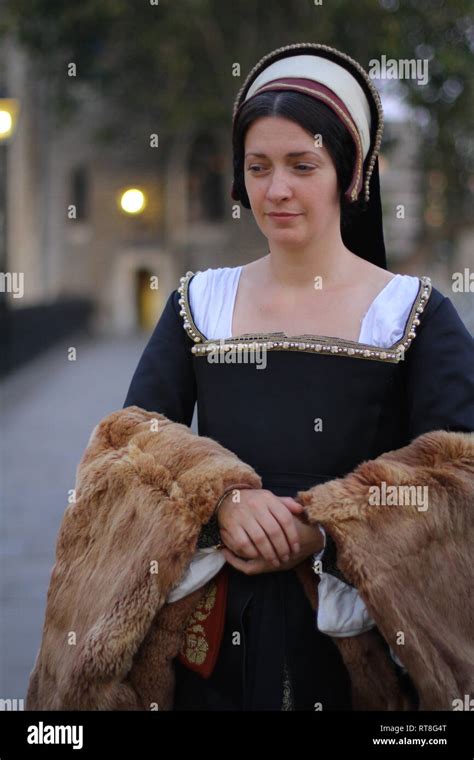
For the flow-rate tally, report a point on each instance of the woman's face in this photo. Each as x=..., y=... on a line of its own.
x=277, y=181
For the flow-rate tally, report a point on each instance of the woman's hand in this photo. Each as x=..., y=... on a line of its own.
x=311, y=541
x=261, y=526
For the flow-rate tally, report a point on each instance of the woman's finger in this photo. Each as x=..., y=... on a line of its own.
x=288, y=524
x=293, y=505
x=268, y=520
x=249, y=567
x=239, y=542
x=266, y=548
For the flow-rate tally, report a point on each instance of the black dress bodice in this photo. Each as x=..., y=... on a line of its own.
x=305, y=418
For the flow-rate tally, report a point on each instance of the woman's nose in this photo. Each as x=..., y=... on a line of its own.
x=278, y=187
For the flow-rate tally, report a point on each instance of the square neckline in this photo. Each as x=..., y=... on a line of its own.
x=311, y=343
x=285, y=336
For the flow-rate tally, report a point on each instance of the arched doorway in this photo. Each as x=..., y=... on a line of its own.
x=148, y=298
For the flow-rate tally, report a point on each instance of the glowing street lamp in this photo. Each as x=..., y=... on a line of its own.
x=133, y=201
x=9, y=108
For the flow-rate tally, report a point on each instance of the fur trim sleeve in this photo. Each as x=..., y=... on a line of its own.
x=403, y=524
x=144, y=487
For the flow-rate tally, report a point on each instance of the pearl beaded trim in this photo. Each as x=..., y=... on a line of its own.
x=307, y=343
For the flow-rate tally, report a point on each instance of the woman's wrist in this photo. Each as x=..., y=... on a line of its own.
x=222, y=499
x=316, y=540
x=229, y=492
x=214, y=521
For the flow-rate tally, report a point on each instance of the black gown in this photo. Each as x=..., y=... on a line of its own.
x=369, y=401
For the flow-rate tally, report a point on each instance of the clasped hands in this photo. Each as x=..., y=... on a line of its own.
x=264, y=533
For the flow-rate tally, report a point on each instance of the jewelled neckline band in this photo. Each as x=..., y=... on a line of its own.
x=307, y=343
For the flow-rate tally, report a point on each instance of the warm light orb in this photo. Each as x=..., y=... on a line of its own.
x=6, y=122
x=9, y=112
x=133, y=201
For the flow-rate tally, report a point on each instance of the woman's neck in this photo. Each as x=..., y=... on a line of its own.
x=295, y=269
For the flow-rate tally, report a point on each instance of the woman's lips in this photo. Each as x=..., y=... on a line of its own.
x=282, y=215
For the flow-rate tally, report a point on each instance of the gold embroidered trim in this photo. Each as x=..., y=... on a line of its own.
x=315, y=47
x=307, y=343
x=287, y=702
x=195, y=646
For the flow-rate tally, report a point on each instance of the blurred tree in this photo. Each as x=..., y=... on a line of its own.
x=170, y=63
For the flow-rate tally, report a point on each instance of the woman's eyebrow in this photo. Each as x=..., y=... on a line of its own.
x=288, y=155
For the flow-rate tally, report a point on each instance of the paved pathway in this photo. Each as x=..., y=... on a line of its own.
x=48, y=410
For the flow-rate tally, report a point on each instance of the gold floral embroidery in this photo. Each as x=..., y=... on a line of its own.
x=195, y=647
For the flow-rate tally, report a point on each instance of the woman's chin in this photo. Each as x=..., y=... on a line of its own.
x=286, y=236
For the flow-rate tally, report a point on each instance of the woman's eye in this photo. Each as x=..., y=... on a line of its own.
x=302, y=167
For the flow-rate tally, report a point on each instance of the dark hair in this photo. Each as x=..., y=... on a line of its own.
x=314, y=116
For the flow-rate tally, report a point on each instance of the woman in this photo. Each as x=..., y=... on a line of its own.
x=358, y=361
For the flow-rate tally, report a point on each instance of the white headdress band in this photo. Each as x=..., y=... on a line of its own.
x=326, y=72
